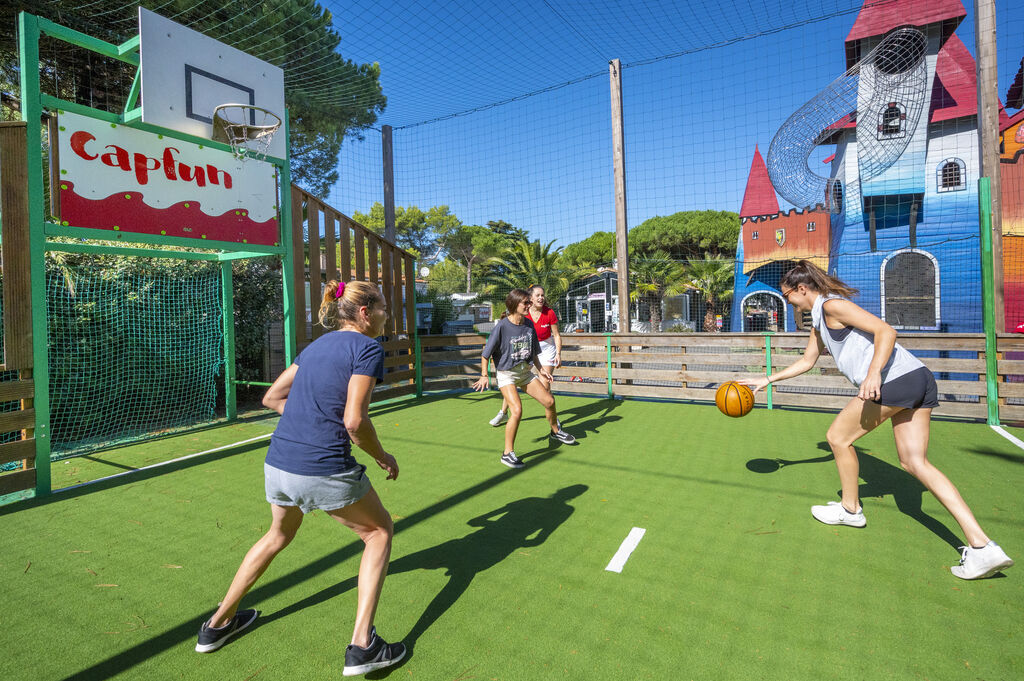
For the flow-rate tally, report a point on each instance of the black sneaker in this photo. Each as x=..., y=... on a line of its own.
x=378, y=654
x=210, y=639
x=564, y=437
x=511, y=460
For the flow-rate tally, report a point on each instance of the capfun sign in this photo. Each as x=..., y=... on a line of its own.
x=127, y=180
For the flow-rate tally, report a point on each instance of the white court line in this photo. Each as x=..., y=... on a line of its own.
x=627, y=547
x=1011, y=438
x=163, y=463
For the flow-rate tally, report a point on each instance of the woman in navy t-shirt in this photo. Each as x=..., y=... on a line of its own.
x=324, y=400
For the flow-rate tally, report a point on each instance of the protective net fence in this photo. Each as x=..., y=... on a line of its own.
x=132, y=353
x=849, y=139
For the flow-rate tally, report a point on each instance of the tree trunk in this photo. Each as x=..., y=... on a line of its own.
x=655, y=303
x=469, y=275
x=709, y=316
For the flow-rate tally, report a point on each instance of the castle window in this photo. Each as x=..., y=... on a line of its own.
x=891, y=121
x=753, y=235
x=837, y=197
x=810, y=226
x=951, y=176
x=910, y=291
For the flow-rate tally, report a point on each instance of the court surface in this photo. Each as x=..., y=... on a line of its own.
x=501, y=574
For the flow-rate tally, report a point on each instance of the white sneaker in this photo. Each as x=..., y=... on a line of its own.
x=498, y=420
x=834, y=514
x=981, y=563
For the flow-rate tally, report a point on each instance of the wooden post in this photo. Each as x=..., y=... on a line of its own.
x=988, y=137
x=621, y=227
x=389, y=197
x=389, y=185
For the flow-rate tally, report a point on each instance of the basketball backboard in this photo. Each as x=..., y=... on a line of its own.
x=185, y=74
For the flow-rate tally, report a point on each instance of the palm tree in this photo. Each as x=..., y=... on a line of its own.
x=712, y=278
x=525, y=263
x=652, y=278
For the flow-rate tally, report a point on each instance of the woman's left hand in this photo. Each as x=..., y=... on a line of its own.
x=871, y=388
x=558, y=360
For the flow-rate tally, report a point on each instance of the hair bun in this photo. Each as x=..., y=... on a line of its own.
x=341, y=290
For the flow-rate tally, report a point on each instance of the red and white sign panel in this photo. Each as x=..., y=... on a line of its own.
x=127, y=180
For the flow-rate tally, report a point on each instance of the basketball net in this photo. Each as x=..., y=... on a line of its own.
x=248, y=129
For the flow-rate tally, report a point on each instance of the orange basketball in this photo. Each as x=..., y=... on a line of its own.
x=734, y=399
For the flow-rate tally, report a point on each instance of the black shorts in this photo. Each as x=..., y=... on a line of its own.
x=916, y=390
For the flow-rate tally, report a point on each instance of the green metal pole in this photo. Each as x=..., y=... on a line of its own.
x=608, y=348
x=768, y=365
x=988, y=306
x=419, y=367
x=31, y=111
x=288, y=288
x=227, y=307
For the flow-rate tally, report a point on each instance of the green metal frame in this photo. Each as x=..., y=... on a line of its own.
x=608, y=350
x=768, y=366
x=988, y=305
x=33, y=103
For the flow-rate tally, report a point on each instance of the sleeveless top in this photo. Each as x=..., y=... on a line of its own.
x=853, y=349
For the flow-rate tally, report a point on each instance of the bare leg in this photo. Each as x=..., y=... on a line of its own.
x=370, y=520
x=857, y=418
x=911, y=429
x=538, y=390
x=284, y=524
x=515, y=414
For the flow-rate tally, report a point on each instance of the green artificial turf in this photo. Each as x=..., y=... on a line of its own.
x=500, y=574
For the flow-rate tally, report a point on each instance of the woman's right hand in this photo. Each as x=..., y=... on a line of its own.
x=388, y=465
x=754, y=384
x=481, y=384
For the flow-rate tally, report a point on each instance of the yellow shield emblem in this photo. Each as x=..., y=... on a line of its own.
x=780, y=236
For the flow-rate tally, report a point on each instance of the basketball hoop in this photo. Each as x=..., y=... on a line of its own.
x=246, y=128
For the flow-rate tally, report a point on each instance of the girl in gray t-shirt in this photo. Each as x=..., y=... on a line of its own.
x=894, y=386
x=514, y=348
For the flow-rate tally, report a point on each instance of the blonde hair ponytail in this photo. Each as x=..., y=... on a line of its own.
x=341, y=302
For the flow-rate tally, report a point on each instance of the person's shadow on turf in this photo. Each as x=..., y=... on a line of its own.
x=880, y=478
x=519, y=524
x=584, y=418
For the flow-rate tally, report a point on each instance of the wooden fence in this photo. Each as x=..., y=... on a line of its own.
x=349, y=251
x=17, y=389
x=691, y=366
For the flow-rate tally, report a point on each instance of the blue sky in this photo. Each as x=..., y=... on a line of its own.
x=703, y=83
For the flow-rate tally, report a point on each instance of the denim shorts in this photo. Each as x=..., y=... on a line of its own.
x=519, y=376
x=310, y=492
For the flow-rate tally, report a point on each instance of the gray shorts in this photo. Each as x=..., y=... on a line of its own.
x=310, y=492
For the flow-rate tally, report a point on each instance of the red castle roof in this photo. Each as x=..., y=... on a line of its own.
x=759, y=197
x=955, y=91
x=878, y=18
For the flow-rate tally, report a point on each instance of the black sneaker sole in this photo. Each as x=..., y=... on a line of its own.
x=359, y=669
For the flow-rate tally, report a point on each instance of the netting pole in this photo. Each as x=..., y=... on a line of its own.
x=988, y=302
x=608, y=348
x=621, y=222
x=288, y=291
x=31, y=112
x=419, y=367
x=768, y=366
x=227, y=307
x=988, y=143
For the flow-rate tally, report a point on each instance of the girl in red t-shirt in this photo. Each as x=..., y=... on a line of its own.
x=545, y=323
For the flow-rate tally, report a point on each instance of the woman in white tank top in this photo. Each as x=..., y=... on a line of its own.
x=892, y=385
